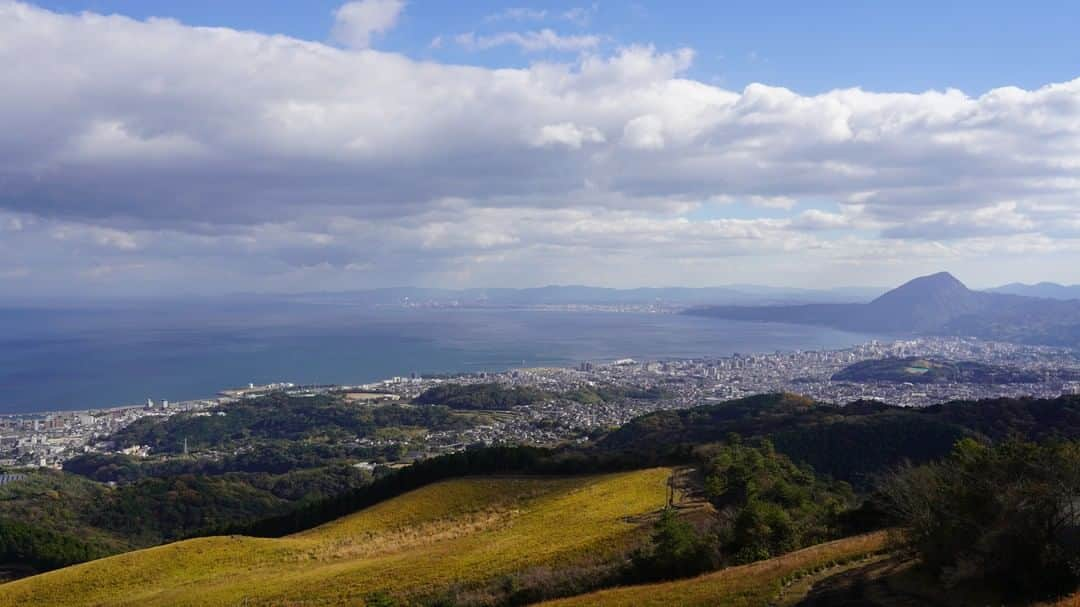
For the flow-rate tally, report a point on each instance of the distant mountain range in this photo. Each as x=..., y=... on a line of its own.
x=938, y=304
x=1050, y=290
x=555, y=295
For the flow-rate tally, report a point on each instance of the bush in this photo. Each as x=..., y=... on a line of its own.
x=43, y=549
x=1005, y=517
x=677, y=550
x=767, y=505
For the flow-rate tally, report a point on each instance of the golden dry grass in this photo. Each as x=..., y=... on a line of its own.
x=756, y=584
x=458, y=533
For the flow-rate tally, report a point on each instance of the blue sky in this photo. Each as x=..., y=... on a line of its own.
x=807, y=46
x=334, y=145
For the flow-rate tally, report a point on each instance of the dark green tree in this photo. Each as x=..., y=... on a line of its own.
x=1005, y=516
x=677, y=550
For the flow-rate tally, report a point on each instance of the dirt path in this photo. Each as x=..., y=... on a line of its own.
x=865, y=586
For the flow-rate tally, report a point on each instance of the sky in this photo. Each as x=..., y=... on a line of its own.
x=198, y=147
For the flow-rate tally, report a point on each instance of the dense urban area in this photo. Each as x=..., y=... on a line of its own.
x=49, y=439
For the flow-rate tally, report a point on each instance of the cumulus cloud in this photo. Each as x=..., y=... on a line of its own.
x=773, y=202
x=644, y=133
x=567, y=134
x=355, y=23
x=1000, y=219
x=159, y=150
x=102, y=237
x=816, y=219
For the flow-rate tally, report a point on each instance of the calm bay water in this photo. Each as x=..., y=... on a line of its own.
x=77, y=359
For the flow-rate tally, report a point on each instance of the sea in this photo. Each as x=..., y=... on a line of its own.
x=72, y=358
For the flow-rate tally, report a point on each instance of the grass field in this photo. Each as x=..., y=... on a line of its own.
x=454, y=536
x=753, y=585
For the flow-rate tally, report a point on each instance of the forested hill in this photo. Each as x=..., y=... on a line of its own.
x=481, y=396
x=857, y=443
x=854, y=442
x=279, y=417
x=929, y=371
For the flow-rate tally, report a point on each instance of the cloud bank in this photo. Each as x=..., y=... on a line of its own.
x=148, y=154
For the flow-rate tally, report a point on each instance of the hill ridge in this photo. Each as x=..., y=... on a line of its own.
x=558, y=524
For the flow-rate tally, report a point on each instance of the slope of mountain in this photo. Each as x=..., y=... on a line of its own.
x=1049, y=290
x=929, y=302
x=824, y=436
x=462, y=537
x=938, y=304
x=490, y=539
x=757, y=584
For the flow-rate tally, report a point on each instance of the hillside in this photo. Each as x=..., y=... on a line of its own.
x=52, y=518
x=418, y=537
x=937, y=304
x=176, y=498
x=278, y=417
x=824, y=435
x=461, y=538
x=757, y=584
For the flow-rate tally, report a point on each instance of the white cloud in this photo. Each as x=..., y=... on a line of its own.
x=578, y=15
x=816, y=219
x=533, y=41
x=355, y=23
x=100, y=236
x=567, y=134
x=129, y=143
x=1005, y=218
x=773, y=202
x=644, y=133
x=12, y=224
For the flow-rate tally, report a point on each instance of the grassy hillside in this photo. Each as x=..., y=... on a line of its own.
x=760, y=583
x=461, y=539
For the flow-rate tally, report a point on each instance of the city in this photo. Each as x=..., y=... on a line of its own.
x=47, y=440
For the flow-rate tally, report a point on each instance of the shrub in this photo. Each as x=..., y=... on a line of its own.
x=1005, y=517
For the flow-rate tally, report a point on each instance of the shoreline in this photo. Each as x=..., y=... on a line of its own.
x=224, y=395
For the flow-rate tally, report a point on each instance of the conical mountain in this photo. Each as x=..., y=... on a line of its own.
x=925, y=303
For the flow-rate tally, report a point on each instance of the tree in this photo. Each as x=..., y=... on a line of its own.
x=766, y=504
x=1004, y=516
x=677, y=550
